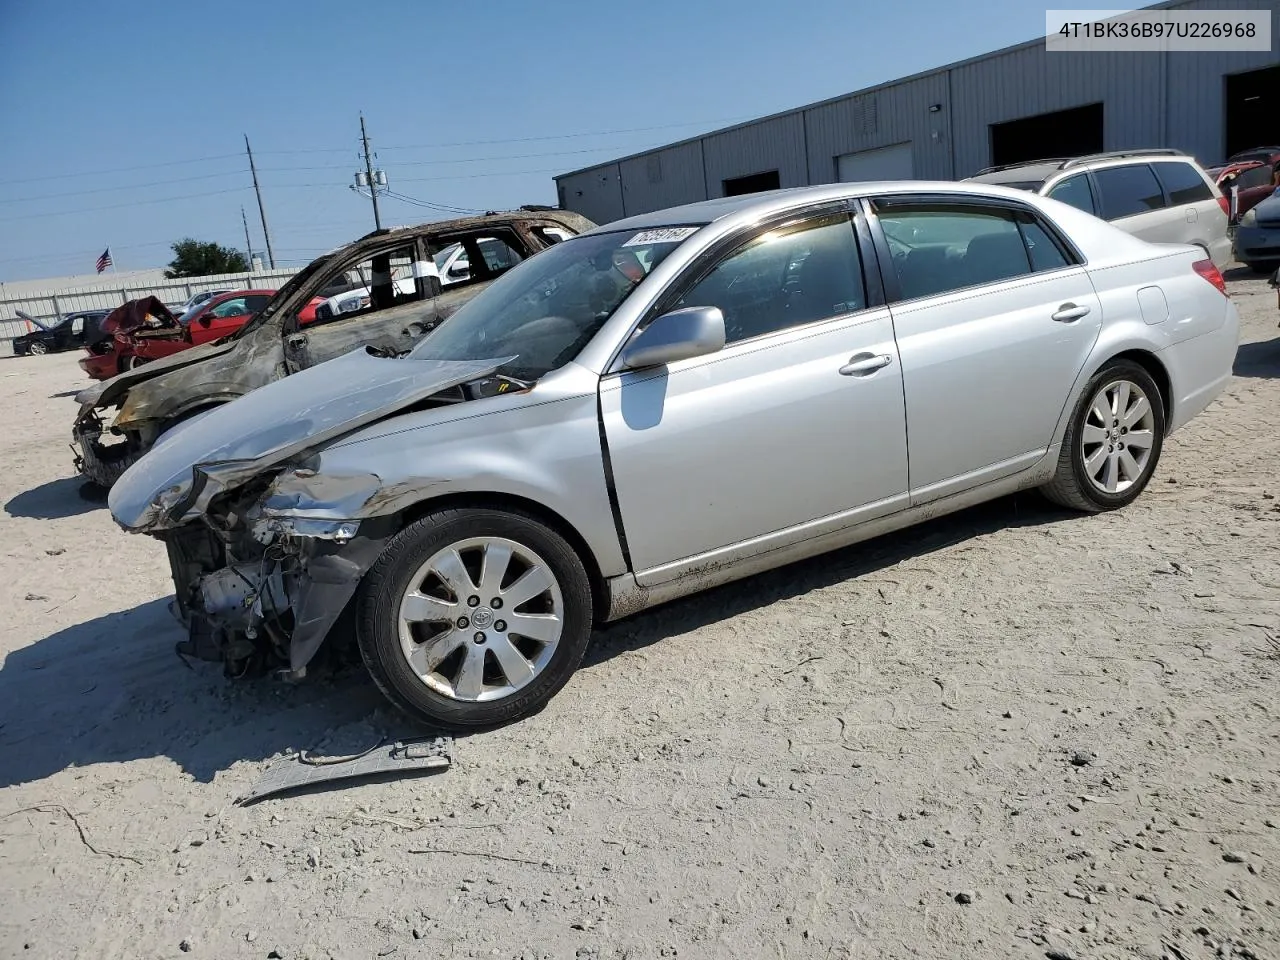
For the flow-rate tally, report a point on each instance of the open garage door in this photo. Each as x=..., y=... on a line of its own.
x=1253, y=109
x=1062, y=133
x=883, y=163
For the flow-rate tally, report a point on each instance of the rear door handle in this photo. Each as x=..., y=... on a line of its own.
x=1070, y=313
x=862, y=364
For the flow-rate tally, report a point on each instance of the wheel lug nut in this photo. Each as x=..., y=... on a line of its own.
x=463, y=623
x=500, y=626
x=496, y=603
x=473, y=601
x=479, y=638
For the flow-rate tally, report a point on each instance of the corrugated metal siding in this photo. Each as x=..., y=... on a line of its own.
x=1196, y=108
x=595, y=193
x=1024, y=83
x=881, y=118
x=776, y=144
x=1149, y=99
x=664, y=178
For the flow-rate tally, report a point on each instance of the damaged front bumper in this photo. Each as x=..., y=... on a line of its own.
x=268, y=597
x=101, y=455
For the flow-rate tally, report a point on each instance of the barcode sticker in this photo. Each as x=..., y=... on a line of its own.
x=663, y=235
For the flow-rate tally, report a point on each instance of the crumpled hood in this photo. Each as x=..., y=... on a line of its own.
x=108, y=391
x=175, y=481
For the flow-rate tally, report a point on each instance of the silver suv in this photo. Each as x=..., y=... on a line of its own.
x=1162, y=196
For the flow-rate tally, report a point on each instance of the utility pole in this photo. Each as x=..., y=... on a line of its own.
x=368, y=166
x=271, y=259
x=248, y=244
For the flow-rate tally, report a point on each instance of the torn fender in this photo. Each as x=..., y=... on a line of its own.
x=187, y=468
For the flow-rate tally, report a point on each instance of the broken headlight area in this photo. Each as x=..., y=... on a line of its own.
x=259, y=594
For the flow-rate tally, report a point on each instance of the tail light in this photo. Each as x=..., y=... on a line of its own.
x=1225, y=204
x=1206, y=269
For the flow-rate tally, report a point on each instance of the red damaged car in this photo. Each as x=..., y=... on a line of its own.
x=219, y=317
x=113, y=353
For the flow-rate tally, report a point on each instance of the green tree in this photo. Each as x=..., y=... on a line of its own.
x=196, y=258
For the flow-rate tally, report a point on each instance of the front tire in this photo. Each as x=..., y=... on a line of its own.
x=38, y=349
x=1113, y=441
x=474, y=617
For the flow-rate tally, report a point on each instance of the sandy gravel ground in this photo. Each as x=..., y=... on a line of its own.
x=1014, y=732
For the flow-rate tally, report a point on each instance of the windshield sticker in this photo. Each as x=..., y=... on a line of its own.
x=664, y=235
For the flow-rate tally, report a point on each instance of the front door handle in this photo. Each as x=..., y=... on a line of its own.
x=1070, y=313
x=862, y=364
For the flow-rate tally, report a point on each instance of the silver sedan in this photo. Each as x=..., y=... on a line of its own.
x=665, y=404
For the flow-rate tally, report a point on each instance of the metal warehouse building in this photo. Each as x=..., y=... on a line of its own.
x=1020, y=103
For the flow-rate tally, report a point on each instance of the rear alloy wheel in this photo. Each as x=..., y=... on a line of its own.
x=37, y=348
x=474, y=617
x=1113, y=442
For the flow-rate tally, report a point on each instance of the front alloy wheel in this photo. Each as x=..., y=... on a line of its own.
x=474, y=617
x=481, y=619
x=37, y=348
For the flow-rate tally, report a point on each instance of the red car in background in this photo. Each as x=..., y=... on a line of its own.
x=113, y=352
x=1255, y=180
x=212, y=320
x=219, y=317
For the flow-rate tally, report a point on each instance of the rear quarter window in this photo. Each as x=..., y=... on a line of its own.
x=1127, y=191
x=1183, y=183
x=1075, y=191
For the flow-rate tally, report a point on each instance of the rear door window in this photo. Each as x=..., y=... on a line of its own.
x=1182, y=183
x=1075, y=191
x=937, y=248
x=1126, y=191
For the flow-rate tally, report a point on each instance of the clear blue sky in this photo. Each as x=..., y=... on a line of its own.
x=106, y=108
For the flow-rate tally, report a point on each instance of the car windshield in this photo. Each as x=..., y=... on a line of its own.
x=443, y=256
x=545, y=310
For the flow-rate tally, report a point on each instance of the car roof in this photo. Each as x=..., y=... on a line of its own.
x=1041, y=170
x=750, y=206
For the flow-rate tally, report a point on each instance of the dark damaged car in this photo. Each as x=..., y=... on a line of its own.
x=403, y=298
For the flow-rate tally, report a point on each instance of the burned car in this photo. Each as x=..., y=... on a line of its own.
x=669, y=403
x=121, y=418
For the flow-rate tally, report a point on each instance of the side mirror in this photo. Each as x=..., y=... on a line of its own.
x=678, y=335
x=459, y=271
x=205, y=320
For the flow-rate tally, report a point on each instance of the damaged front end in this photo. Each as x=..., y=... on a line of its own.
x=102, y=453
x=258, y=594
x=259, y=580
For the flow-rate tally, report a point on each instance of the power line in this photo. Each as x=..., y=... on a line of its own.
x=120, y=206
x=132, y=186
x=145, y=166
x=441, y=207
x=552, y=136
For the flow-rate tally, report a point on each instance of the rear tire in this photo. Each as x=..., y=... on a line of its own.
x=436, y=642
x=1113, y=441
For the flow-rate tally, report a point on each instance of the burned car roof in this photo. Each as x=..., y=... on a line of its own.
x=402, y=303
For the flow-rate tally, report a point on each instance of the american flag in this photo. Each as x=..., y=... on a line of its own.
x=104, y=261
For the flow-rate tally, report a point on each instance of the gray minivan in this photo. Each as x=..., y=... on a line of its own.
x=1162, y=196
